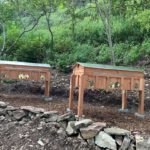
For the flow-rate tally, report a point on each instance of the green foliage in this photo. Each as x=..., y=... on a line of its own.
x=84, y=53
x=130, y=32
x=34, y=49
x=145, y=48
x=12, y=34
x=143, y=19
x=90, y=31
x=63, y=61
x=126, y=31
x=103, y=56
x=131, y=55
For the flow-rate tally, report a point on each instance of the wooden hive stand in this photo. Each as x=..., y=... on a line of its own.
x=97, y=76
x=14, y=70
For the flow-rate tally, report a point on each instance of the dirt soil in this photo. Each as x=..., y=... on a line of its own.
x=98, y=105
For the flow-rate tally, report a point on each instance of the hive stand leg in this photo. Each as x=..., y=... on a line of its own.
x=47, y=88
x=124, y=99
x=71, y=92
x=141, y=102
x=81, y=95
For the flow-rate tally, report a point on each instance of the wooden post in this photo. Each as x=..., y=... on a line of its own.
x=124, y=99
x=47, y=88
x=81, y=95
x=141, y=97
x=71, y=92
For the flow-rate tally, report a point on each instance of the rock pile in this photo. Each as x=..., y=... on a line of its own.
x=50, y=130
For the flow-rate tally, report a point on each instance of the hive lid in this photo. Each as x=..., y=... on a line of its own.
x=101, y=66
x=23, y=64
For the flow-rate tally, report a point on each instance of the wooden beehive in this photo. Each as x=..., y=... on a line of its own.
x=97, y=76
x=13, y=70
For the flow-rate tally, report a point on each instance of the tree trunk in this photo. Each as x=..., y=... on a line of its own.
x=4, y=38
x=105, y=17
x=109, y=37
x=122, y=8
x=73, y=18
x=50, y=31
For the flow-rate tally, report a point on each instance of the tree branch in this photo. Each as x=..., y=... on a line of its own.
x=22, y=33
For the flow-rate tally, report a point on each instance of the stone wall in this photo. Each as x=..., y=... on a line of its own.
x=92, y=135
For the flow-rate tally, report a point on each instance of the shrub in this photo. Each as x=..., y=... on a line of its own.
x=34, y=49
x=145, y=48
x=91, y=32
x=103, y=55
x=84, y=53
x=131, y=55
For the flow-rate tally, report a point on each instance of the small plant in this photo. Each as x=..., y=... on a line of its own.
x=42, y=77
x=2, y=77
x=114, y=85
x=91, y=84
x=23, y=77
x=136, y=86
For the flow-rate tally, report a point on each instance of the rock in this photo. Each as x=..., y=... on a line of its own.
x=131, y=146
x=53, y=124
x=146, y=85
x=2, y=118
x=71, y=130
x=79, y=137
x=68, y=110
x=3, y=104
x=11, y=108
x=62, y=133
x=119, y=139
x=140, y=116
x=139, y=138
x=105, y=141
x=32, y=109
x=48, y=99
x=83, y=123
x=49, y=113
x=148, y=141
x=92, y=130
x=19, y=114
x=40, y=142
x=51, y=116
x=123, y=110
x=125, y=143
x=142, y=143
x=116, y=131
x=91, y=141
x=63, y=124
x=10, y=113
x=67, y=117
x=2, y=112
x=22, y=122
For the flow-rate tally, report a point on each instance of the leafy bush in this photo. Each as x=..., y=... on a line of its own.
x=130, y=40
x=131, y=55
x=103, y=55
x=63, y=61
x=145, y=48
x=142, y=18
x=35, y=48
x=125, y=30
x=80, y=53
x=84, y=53
x=12, y=34
x=91, y=32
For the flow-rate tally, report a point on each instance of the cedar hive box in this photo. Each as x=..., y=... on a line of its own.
x=97, y=76
x=13, y=70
